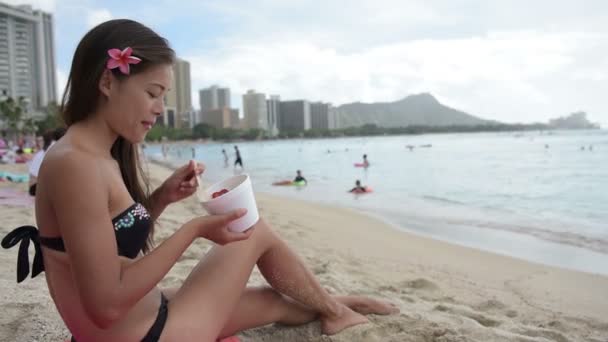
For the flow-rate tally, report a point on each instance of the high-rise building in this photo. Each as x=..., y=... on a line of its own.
x=332, y=117
x=178, y=103
x=255, y=110
x=215, y=108
x=208, y=98
x=27, y=55
x=319, y=116
x=222, y=118
x=294, y=115
x=183, y=98
x=273, y=105
x=169, y=117
x=223, y=98
x=214, y=98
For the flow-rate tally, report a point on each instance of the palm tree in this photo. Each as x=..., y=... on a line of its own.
x=11, y=112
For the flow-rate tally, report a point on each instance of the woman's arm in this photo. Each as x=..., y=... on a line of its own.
x=181, y=184
x=158, y=202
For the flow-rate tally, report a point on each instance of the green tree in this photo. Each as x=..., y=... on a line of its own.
x=51, y=120
x=253, y=133
x=11, y=112
x=159, y=131
x=226, y=134
x=203, y=131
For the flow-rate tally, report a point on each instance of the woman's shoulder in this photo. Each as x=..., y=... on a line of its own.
x=66, y=160
x=68, y=172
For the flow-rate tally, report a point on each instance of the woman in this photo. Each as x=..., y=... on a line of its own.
x=43, y=143
x=96, y=219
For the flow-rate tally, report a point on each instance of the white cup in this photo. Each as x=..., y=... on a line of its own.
x=239, y=195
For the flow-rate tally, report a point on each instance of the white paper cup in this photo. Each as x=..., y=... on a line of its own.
x=240, y=195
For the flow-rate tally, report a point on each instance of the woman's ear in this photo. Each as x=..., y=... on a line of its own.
x=106, y=82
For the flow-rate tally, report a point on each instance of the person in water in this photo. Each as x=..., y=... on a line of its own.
x=238, y=159
x=358, y=187
x=96, y=219
x=365, y=161
x=299, y=177
x=225, y=157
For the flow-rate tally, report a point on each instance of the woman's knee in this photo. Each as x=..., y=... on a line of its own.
x=263, y=231
x=272, y=300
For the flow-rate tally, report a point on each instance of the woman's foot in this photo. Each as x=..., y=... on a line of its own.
x=367, y=306
x=345, y=319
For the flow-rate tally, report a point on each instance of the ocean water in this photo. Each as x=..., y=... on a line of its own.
x=538, y=196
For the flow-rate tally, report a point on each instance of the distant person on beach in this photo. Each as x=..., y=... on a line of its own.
x=3, y=143
x=225, y=157
x=34, y=165
x=96, y=220
x=358, y=187
x=238, y=160
x=164, y=150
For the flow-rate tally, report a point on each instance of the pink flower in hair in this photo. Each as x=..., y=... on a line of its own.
x=121, y=59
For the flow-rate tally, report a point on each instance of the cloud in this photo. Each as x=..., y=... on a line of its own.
x=509, y=61
x=98, y=16
x=500, y=75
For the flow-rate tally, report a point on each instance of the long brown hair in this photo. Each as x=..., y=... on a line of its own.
x=82, y=95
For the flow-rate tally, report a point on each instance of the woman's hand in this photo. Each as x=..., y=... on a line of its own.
x=215, y=227
x=181, y=184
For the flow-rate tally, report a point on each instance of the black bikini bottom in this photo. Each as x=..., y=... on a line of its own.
x=156, y=330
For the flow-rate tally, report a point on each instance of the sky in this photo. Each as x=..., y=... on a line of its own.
x=505, y=60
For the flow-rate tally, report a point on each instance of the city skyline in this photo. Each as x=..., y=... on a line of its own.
x=511, y=62
x=27, y=55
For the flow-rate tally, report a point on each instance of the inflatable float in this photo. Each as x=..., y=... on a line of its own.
x=367, y=191
x=288, y=183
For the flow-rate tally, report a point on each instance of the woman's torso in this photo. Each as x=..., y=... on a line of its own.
x=57, y=264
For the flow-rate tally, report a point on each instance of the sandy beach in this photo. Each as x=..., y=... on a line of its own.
x=445, y=292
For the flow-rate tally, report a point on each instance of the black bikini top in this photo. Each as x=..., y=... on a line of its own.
x=131, y=228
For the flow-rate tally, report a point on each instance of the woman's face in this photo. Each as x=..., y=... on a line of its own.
x=135, y=102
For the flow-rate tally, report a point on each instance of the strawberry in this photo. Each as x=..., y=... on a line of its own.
x=219, y=193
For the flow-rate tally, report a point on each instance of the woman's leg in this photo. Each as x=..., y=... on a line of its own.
x=202, y=307
x=259, y=306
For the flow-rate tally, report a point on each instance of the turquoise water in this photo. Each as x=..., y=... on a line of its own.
x=534, y=196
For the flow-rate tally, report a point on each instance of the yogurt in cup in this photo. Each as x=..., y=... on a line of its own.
x=239, y=195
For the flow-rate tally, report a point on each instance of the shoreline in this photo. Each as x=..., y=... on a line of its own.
x=546, y=131
x=584, y=254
